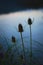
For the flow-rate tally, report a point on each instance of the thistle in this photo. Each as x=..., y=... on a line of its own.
x=30, y=23
x=13, y=39
x=20, y=28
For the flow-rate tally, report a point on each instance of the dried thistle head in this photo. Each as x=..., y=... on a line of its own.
x=13, y=39
x=29, y=21
x=20, y=28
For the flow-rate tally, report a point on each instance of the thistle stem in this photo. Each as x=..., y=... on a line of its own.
x=23, y=47
x=30, y=46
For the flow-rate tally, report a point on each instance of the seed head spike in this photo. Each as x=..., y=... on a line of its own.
x=13, y=39
x=29, y=21
x=20, y=28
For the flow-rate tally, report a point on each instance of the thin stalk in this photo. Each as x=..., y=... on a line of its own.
x=23, y=47
x=30, y=46
x=17, y=48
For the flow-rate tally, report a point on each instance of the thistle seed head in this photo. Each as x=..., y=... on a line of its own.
x=20, y=28
x=29, y=21
x=13, y=39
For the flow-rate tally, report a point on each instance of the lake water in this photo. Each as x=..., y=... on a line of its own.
x=9, y=27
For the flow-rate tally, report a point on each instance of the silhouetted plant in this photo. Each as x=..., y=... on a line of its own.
x=20, y=29
x=13, y=39
x=30, y=23
x=22, y=60
x=4, y=57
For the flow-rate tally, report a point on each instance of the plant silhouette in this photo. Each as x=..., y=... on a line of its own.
x=20, y=29
x=30, y=23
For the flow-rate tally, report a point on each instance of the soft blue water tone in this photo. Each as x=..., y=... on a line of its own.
x=9, y=27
